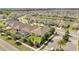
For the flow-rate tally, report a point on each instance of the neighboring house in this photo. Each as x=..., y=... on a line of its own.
x=40, y=31
x=26, y=28
x=22, y=33
x=20, y=26
x=65, y=23
x=2, y=16
x=47, y=21
x=76, y=25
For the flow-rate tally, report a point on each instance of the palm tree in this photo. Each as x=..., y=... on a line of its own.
x=61, y=43
x=46, y=36
x=66, y=36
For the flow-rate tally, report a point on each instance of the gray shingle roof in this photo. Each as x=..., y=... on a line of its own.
x=28, y=28
x=18, y=25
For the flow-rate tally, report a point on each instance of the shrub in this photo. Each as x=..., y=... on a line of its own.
x=17, y=42
x=2, y=34
x=61, y=49
x=9, y=37
x=17, y=37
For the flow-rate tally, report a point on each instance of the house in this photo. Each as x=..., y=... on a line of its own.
x=22, y=33
x=76, y=25
x=2, y=16
x=20, y=26
x=27, y=28
x=40, y=31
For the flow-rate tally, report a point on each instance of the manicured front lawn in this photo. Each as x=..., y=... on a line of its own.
x=12, y=42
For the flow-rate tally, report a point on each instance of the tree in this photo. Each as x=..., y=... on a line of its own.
x=2, y=34
x=52, y=30
x=18, y=42
x=46, y=36
x=61, y=43
x=57, y=49
x=67, y=32
x=8, y=33
x=37, y=44
x=7, y=12
x=68, y=26
x=66, y=36
x=61, y=49
x=9, y=37
x=17, y=37
x=1, y=12
x=24, y=39
x=31, y=42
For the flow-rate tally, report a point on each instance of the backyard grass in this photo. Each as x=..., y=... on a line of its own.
x=35, y=39
x=12, y=42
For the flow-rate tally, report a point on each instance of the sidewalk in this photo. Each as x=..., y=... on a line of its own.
x=28, y=46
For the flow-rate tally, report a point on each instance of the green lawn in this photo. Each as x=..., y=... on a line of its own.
x=77, y=21
x=38, y=24
x=66, y=19
x=48, y=17
x=71, y=27
x=12, y=42
x=57, y=17
x=2, y=24
x=35, y=39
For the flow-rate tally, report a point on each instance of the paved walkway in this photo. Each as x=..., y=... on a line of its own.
x=28, y=46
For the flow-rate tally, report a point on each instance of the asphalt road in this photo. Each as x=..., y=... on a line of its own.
x=72, y=32
x=70, y=46
x=4, y=46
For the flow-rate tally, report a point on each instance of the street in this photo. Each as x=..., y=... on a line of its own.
x=4, y=46
x=70, y=46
